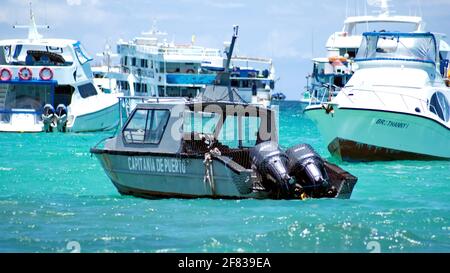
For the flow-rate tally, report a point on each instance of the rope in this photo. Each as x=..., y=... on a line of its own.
x=209, y=174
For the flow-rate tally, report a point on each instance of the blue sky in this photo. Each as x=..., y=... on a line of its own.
x=290, y=32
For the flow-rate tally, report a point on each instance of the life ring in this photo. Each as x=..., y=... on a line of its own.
x=26, y=76
x=46, y=74
x=5, y=74
x=190, y=71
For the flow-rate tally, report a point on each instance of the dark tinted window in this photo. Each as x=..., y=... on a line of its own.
x=439, y=106
x=87, y=90
x=146, y=127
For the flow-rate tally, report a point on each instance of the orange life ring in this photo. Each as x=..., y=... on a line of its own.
x=49, y=75
x=5, y=74
x=25, y=76
x=190, y=71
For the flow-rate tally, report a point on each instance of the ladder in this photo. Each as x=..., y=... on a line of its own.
x=3, y=94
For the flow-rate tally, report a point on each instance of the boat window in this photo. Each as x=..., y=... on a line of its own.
x=229, y=135
x=17, y=51
x=146, y=127
x=398, y=46
x=82, y=55
x=439, y=106
x=87, y=90
x=25, y=97
x=200, y=122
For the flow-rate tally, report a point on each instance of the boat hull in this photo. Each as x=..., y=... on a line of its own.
x=102, y=120
x=170, y=176
x=156, y=176
x=354, y=134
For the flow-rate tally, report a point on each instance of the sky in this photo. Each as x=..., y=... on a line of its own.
x=291, y=32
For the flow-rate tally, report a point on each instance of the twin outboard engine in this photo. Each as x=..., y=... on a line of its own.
x=297, y=173
x=271, y=164
x=61, y=117
x=309, y=170
x=48, y=115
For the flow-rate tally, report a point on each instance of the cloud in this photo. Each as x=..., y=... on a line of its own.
x=73, y=2
x=225, y=5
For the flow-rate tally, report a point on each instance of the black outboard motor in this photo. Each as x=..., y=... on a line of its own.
x=61, y=117
x=271, y=163
x=308, y=169
x=48, y=114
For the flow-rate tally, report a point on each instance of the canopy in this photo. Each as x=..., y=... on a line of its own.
x=421, y=47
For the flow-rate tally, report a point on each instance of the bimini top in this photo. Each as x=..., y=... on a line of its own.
x=399, y=46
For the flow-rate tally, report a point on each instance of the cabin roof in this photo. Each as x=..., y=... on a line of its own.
x=382, y=18
x=39, y=42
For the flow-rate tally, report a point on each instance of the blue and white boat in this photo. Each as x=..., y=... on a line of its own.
x=47, y=85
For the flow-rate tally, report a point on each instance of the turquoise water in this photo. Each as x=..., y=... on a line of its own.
x=53, y=192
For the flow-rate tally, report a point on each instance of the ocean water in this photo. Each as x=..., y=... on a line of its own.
x=54, y=196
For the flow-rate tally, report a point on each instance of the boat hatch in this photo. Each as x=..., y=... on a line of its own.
x=418, y=47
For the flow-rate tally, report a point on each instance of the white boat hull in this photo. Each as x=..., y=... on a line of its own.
x=104, y=119
x=354, y=134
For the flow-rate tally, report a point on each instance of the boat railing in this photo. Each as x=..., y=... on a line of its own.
x=423, y=106
x=322, y=93
x=128, y=103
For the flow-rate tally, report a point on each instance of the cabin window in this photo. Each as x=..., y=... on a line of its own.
x=87, y=90
x=146, y=127
x=133, y=61
x=439, y=106
x=239, y=132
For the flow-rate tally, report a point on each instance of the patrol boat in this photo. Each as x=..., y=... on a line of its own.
x=216, y=146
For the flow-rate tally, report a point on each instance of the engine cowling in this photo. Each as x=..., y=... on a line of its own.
x=48, y=114
x=271, y=163
x=308, y=169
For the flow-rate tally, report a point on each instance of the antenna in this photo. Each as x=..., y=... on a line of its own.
x=382, y=4
x=231, y=49
x=33, y=33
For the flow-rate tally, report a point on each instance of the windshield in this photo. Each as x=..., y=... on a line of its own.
x=81, y=53
x=35, y=55
x=361, y=27
x=398, y=46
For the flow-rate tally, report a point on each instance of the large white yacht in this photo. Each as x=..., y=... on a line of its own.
x=151, y=66
x=395, y=106
x=159, y=68
x=252, y=78
x=47, y=85
x=330, y=74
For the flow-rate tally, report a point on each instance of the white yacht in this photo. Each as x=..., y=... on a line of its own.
x=253, y=78
x=150, y=66
x=331, y=73
x=47, y=85
x=395, y=106
x=164, y=69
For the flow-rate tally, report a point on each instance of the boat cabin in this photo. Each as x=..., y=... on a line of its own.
x=194, y=128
